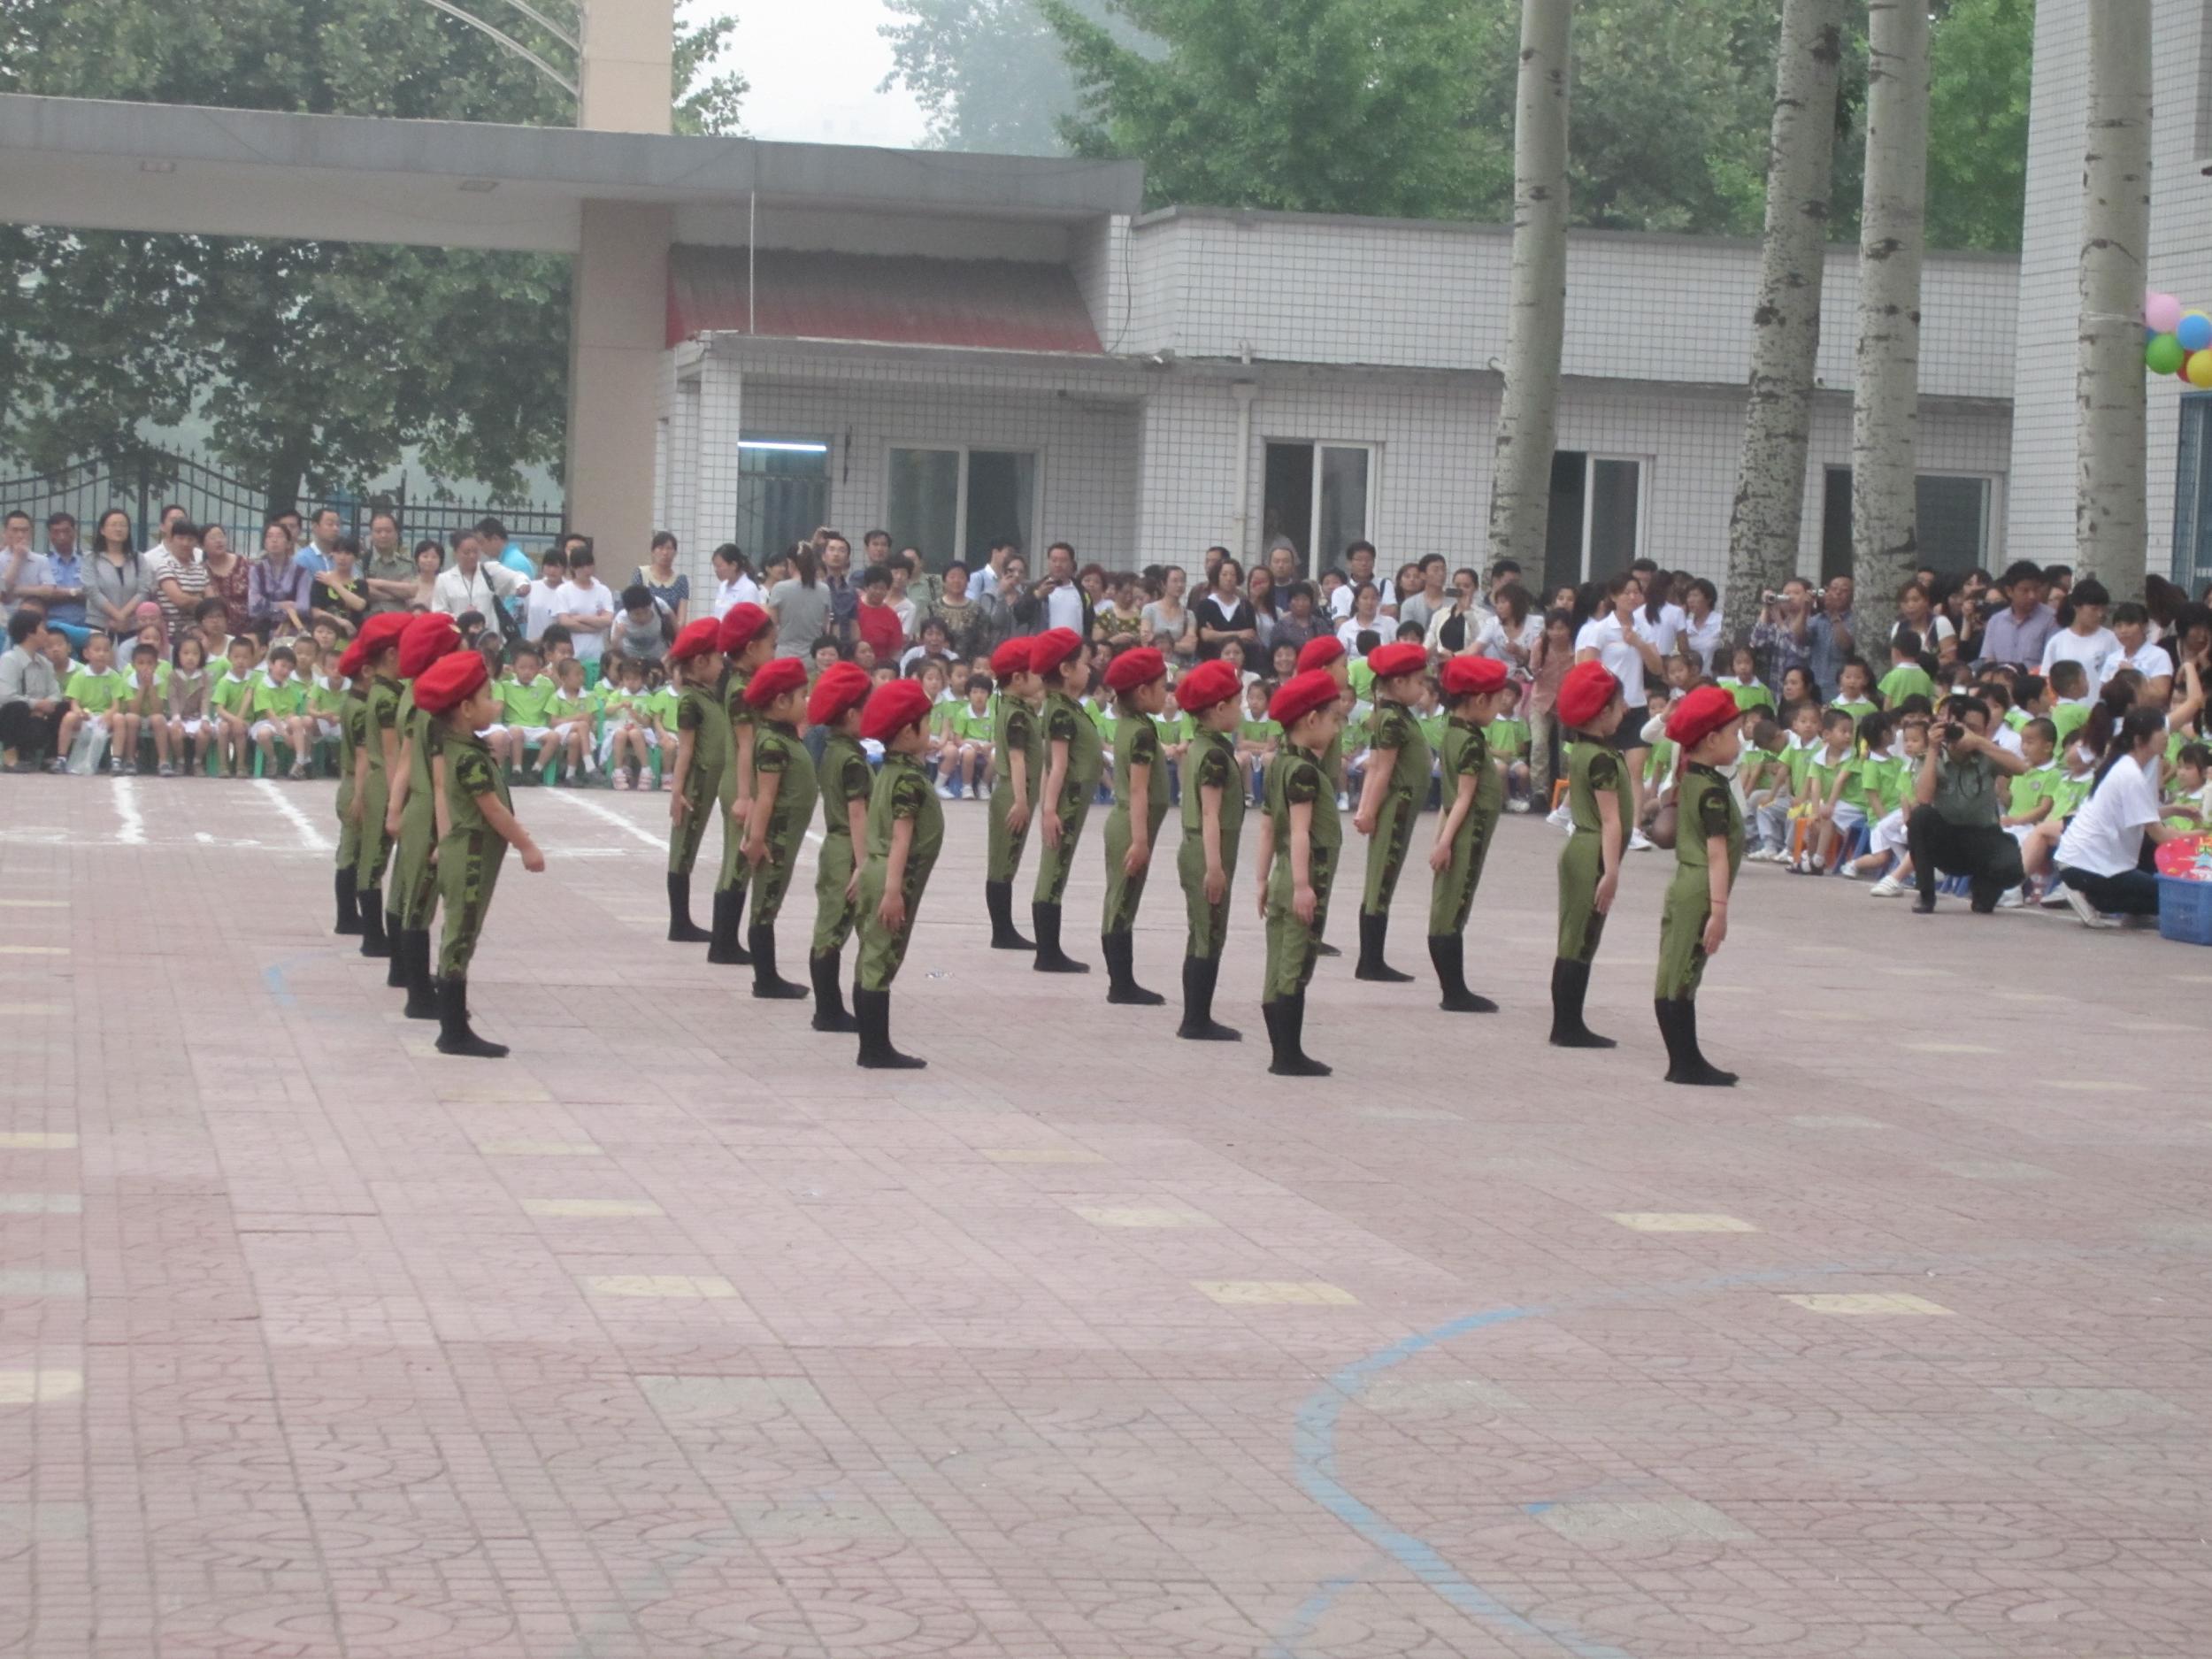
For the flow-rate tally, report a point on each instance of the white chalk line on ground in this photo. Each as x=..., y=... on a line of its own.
x=312, y=838
x=133, y=832
x=631, y=827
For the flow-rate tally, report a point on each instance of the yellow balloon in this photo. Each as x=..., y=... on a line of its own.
x=2198, y=371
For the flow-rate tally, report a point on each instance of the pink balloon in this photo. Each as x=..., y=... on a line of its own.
x=2162, y=312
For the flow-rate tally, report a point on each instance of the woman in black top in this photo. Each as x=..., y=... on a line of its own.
x=1224, y=614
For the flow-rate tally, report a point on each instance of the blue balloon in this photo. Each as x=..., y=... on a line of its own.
x=2194, y=331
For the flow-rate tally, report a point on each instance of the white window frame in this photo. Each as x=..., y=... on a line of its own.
x=1314, y=566
x=1644, y=464
x=959, y=550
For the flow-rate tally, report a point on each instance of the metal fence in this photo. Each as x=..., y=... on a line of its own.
x=143, y=482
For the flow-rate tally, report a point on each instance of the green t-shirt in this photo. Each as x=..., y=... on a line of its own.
x=1509, y=738
x=1907, y=679
x=525, y=705
x=1822, y=772
x=1362, y=679
x=324, y=700
x=273, y=701
x=1432, y=728
x=563, y=708
x=1175, y=727
x=1879, y=776
x=1260, y=731
x=1748, y=694
x=2030, y=789
x=232, y=694
x=128, y=692
x=1659, y=763
x=1859, y=708
x=661, y=705
x=95, y=691
x=2069, y=718
x=1800, y=761
x=971, y=727
x=1103, y=720
x=2069, y=791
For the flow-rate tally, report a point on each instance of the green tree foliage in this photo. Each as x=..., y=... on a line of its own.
x=314, y=360
x=987, y=72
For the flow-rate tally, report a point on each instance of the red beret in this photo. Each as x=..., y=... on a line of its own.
x=1010, y=659
x=350, y=661
x=1132, y=669
x=424, y=640
x=740, y=627
x=893, y=708
x=696, y=640
x=843, y=685
x=772, y=678
x=1053, y=648
x=1208, y=684
x=1699, y=714
x=1403, y=657
x=1472, y=676
x=1585, y=692
x=1300, y=695
x=1320, y=652
x=380, y=632
x=450, y=680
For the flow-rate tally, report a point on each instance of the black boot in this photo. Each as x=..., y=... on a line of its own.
x=422, y=985
x=1050, y=958
x=373, y=940
x=1120, y=951
x=349, y=903
x=871, y=1010
x=1199, y=975
x=1373, y=931
x=1678, y=1023
x=729, y=917
x=1448, y=953
x=1322, y=948
x=453, y=1036
x=998, y=898
x=395, y=963
x=829, y=993
x=1286, y=1028
x=1570, y=983
x=681, y=929
x=768, y=985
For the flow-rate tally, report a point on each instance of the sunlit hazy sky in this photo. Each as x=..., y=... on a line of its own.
x=814, y=68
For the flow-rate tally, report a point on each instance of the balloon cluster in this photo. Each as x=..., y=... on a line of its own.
x=2177, y=341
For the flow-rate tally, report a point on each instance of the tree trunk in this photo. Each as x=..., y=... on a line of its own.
x=2111, y=536
x=286, y=468
x=1528, y=410
x=1885, y=401
x=1764, y=524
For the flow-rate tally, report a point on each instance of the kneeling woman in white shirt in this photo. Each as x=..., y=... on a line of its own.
x=2104, y=857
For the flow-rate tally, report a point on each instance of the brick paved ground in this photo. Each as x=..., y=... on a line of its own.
x=678, y=1334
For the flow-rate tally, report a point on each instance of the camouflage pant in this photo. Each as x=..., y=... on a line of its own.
x=468, y=870
x=881, y=950
x=1682, y=934
x=734, y=872
x=1124, y=893
x=1292, y=948
x=1581, y=862
x=376, y=846
x=1208, y=923
x=1053, y=864
x=1453, y=895
x=1386, y=853
x=685, y=835
x=1006, y=848
x=414, y=874
x=834, y=916
x=771, y=880
x=348, y=841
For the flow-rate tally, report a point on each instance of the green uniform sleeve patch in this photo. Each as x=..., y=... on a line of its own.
x=1060, y=725
x=386, y=713
x=688, y=714
x=1019, y=729
x=1605, y=772
x=1214, y=771
x=1144, y=745
x=1303, y=785
x=908, y=794
x=1390, y=729
x=473, y=773
x=772, y=759
x=856, y=779
x=1712, y=815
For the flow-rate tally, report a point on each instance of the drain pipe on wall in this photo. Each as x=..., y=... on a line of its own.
x=1244, y=392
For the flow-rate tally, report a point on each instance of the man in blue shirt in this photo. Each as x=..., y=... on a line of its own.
x=313, y=554
x=2019, y=632
x=492, y=534
x=55, y=578
x=1828, y=634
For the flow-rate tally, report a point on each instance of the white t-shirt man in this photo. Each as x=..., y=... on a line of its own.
x=2105, y=837
x=2098, y=654
x=1622, y=660
x=1063, y=608
x=588, y=598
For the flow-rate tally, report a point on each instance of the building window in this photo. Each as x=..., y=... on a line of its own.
x=782, y=493
x=954, y=503
x=2192, y=494
x=1321, y=496
x=1952, y=514
x=1596, y=524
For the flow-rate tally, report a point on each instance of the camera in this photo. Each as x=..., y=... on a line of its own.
x=1952, y=731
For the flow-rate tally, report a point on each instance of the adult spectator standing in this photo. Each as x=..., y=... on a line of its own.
x=671, y=588
x=1005, y=613
x=547, y=595
x=962, y=615
x=1703, y=627
x=1359, y=566
x=2085, y=638
x=115, y=577
x=1060, y=598
x=2018, y=633
x=1511, y=632
x=1166, y=624
x=1259, y=593
x=1781, y=638
x=229, y=578
x=800, y=604
x=169, y=514
x=1953, y=828
x=733, y=581
x=342, y=597
x=1433, y=600
x=1224, y=614
x=279, y=591
x=1916, y=613
x=499, y=548
x=474, y=584
x=2104, y=856
x=15, y=552
x=317, y=553
x=986, y=581
x=31, y=703
x=54, y=578
x=1613, y=637
x=429, y=565
x=1282, y=563
x=387, y=570
x=837, y=577
x=176, y=575
x=587, y=607
x=1830, y=634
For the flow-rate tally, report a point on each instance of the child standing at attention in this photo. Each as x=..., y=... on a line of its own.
x=376, y=761
x=1017, y=739
x=1708, y=851
x=747, y=643
x=1137, y=680
x=1074, y=761
x=784, y=792
x=906, y=827
x=481, y=827
x=1599, y=805
x=352, y=712
x=1477, y=690
x=411, y=812
x=1298, y=860
x=703, y=757
x=1213, y=822
x=847, y=783
x=1396, y=790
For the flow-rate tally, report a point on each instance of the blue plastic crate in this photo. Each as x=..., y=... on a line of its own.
x=2185, y=911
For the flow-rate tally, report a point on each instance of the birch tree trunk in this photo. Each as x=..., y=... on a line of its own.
x=1528, y=410
x=1886, y=384
x=1764, y=524
x=2111, y=540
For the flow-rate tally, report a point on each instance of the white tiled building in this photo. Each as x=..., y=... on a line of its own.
x=1145, y=388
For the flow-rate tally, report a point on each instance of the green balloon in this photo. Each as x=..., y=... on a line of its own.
x=2163, y=355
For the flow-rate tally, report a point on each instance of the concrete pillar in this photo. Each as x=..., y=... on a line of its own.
x=618, y=315
x=624, y=80
x=714, y=461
